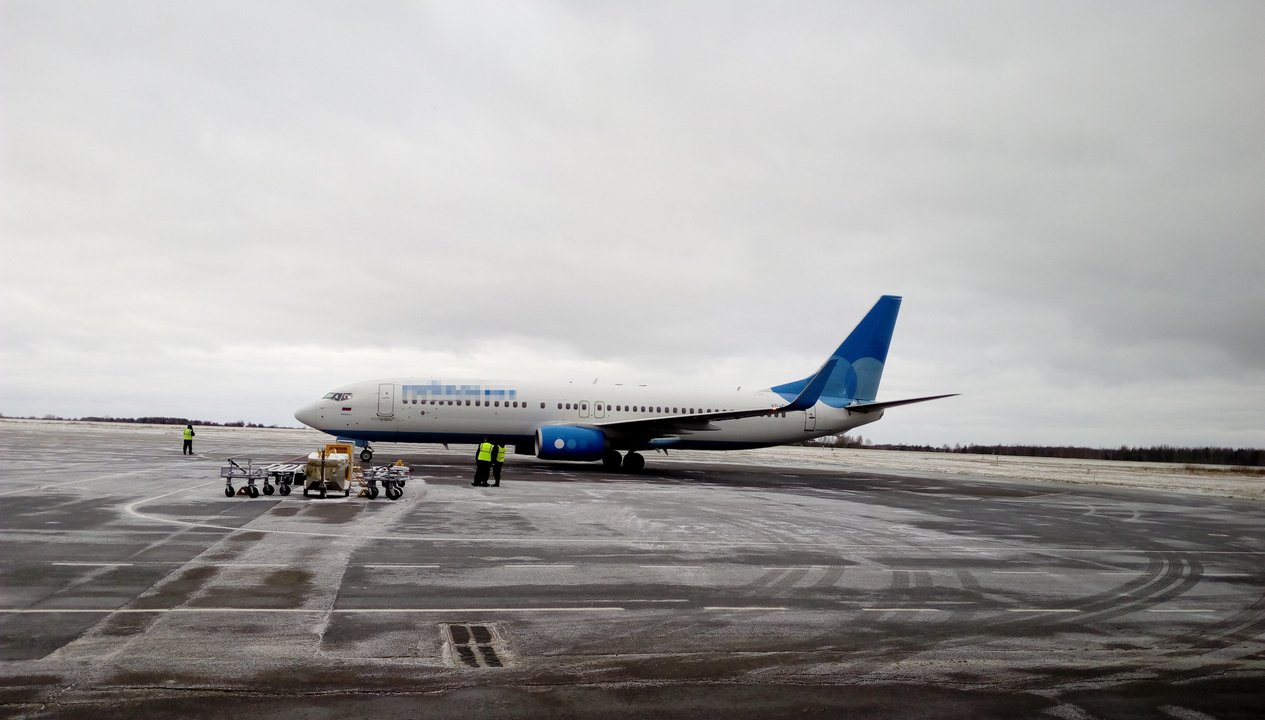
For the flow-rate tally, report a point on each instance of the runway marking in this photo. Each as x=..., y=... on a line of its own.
x=301, y=611
x=93, y=564
x=672, y=600
x=131, y=509
x=37, y=488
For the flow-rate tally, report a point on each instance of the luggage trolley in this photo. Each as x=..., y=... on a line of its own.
x=244, y=469
x=392, y=477
x=284, y=475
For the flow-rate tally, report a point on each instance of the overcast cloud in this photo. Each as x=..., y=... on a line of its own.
x=223, y=210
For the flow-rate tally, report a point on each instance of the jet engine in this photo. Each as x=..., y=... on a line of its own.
x=567, y=442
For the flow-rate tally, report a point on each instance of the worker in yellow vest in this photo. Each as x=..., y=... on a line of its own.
x=188, y=440
x=497, y=462
x=483, y=462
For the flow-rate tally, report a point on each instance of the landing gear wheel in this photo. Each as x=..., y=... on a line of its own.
x=229, y=491
x=284, y=489
x=373, y=493
x=634, y=462
x=268, y=489
x=366, y=455
x=322, y=492
x=254, y=491
x=610, y=460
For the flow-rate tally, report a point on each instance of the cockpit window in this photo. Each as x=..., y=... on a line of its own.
x=337, y=396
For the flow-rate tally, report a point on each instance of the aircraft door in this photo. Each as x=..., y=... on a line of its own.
x=810, y=419
x=386, y=400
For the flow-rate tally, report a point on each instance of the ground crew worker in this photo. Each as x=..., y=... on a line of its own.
x=497, y=462
x=188, y=440
x=482, y=462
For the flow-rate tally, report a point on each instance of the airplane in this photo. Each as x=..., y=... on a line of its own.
x=590, y=422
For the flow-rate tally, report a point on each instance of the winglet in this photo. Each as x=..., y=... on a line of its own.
x=812, y=391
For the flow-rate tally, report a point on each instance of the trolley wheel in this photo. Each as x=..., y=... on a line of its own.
x=373, y=493
x=229, y=491
x=322, y=491
x=395, y=493
x=268, y=489
x=284, y=489
x=254, y=491
x=347, y=492
x=366, y=455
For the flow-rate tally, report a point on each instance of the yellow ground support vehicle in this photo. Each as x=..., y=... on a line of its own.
x=329, y=470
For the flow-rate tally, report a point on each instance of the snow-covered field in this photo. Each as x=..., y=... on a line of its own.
x=1200, y=479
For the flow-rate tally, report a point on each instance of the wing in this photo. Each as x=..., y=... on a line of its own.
x=646, y=429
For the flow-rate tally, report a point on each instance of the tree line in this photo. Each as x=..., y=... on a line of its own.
x=1251, y=457
x=155, y=420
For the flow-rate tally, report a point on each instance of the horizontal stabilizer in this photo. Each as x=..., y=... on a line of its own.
x=876, y=406
x=812, y=391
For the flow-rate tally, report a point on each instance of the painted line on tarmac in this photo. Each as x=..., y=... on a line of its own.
x=1042, y=610
x=43, y=486
x=301, y=611
x=745, y=608
x=131, y=509
x=907, y=609
x=93, y=564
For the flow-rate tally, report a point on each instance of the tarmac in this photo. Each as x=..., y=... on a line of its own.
x=130, y=586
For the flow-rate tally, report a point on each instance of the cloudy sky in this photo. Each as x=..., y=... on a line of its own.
x=223, y=209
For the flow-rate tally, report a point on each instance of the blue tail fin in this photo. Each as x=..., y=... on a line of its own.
x=861, y=358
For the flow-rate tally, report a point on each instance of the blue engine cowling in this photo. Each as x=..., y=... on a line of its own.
x=567, y=442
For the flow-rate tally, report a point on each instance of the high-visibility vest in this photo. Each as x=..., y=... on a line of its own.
x=500, y=453
x=485, y=452
x=188, y=433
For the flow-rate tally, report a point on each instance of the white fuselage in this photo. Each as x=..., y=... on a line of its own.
x=457, y=411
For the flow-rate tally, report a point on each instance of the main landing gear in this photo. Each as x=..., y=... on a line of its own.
x=366, y=455
x=634, y=462
x=631, y=462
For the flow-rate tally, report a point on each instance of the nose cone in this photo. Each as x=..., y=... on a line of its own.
x=309, y=415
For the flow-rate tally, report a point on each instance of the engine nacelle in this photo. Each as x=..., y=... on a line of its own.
x=567, y=442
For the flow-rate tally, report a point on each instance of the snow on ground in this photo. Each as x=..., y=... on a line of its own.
x=1199, y=479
